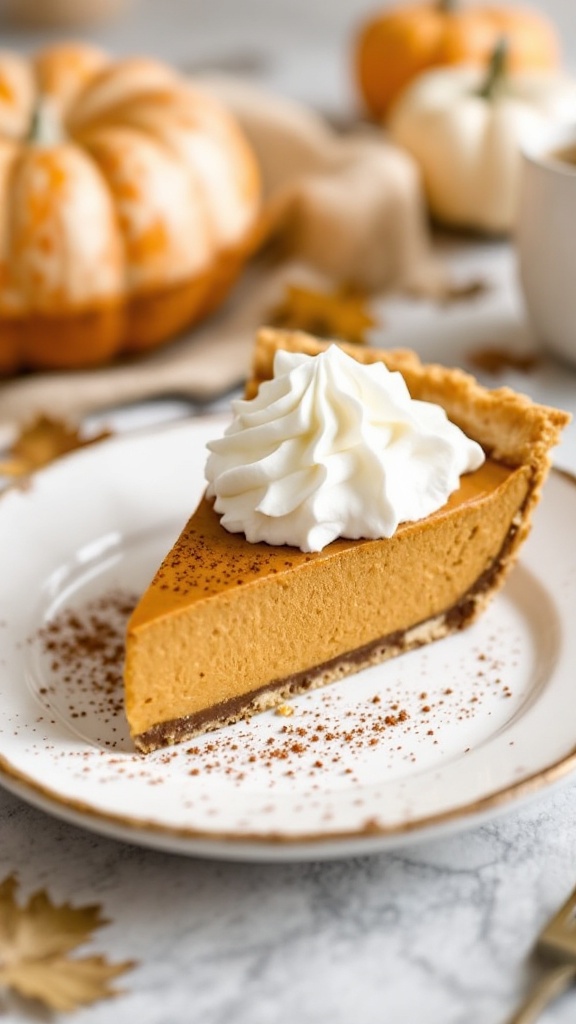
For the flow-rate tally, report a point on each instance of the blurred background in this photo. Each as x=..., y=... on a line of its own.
x=301, y=47
x=304, y=49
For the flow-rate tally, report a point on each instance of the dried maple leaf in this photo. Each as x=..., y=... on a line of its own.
x=35, y=939
x=42, y=441
x=496, y=360
x=341, y=314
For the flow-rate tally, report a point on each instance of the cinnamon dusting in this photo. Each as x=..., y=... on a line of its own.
x=84, y=648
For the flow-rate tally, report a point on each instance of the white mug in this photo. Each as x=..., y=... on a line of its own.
x=546, y=238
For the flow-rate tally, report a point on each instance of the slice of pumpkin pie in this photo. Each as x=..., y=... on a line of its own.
x=360, y=504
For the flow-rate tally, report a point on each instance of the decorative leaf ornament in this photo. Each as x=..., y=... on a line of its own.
x=41, y=442
x=342, y=314
x=36, y=940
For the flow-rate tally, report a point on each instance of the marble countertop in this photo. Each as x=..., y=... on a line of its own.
x=437, y=933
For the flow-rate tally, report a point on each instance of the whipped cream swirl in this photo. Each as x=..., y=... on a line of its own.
x=333, y=448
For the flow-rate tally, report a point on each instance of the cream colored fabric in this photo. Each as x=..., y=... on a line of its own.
x=350, y=204
x=346, y=207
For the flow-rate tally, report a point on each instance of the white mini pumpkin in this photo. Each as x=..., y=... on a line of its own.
x=464, y=127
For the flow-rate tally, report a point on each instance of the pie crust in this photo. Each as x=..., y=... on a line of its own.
x=227, y=628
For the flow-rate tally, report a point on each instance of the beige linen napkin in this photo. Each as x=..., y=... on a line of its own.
x=338, y=208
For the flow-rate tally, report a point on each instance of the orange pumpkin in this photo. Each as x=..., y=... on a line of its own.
x=128, y=204
x=396, y=45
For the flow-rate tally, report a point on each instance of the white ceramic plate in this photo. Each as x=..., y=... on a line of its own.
x=435, y=740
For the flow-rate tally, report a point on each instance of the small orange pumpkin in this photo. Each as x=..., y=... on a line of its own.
x=396, y=45
x=128, y=204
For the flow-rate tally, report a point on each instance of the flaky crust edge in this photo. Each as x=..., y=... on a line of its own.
x=510, y=427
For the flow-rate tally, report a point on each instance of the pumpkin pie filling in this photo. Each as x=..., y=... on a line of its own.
x=229, y=628
x=253, y=625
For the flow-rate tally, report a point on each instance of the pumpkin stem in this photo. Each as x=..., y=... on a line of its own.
x=497, y=68
x=45, y=128
x=33, y=127
x=448, y=6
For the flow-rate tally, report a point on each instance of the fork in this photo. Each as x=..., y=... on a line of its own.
x=557, y=942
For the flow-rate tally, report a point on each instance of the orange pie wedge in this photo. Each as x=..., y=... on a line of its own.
x=228, y=628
